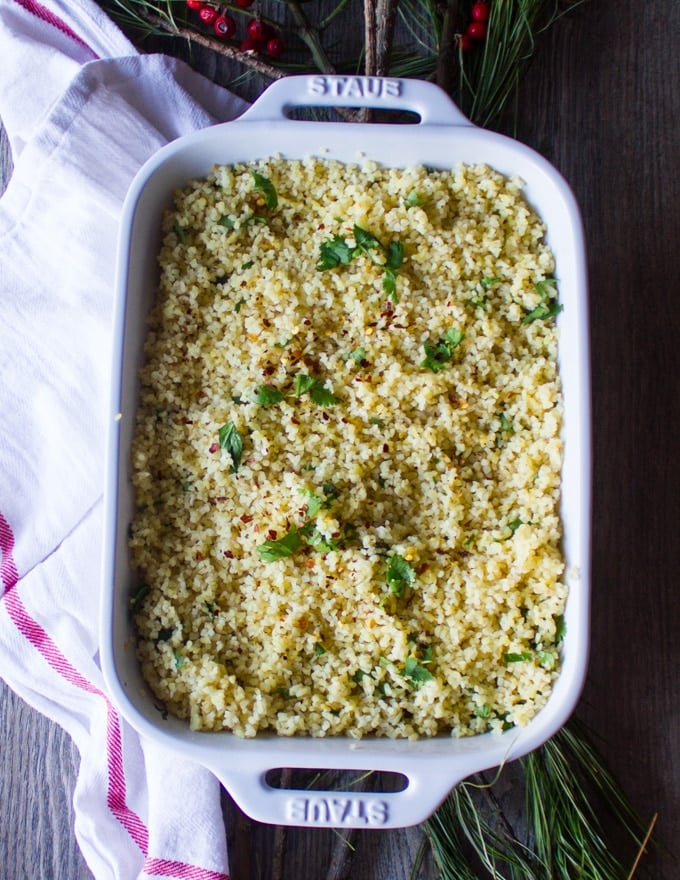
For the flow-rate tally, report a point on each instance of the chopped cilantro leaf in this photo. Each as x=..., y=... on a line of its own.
x=412, y=200
x=439, y=354
x=226, y=221
x=517, y=658
x=399, y=575
x=267, y=395
x=416, y=672
x=335, y=252
x=271, y=551
x=266, y=187
x=230, y=439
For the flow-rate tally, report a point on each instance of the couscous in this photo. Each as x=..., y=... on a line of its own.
x=347, y=454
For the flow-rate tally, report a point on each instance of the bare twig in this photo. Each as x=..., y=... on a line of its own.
x=447, y=46
x=249, y=59
x=385, y=14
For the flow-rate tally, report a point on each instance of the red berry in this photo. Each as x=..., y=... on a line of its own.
x=244, y=4
x=207, y=14
x=257, y=29
x=464, y=42
x=275, y=47
x=249, y=45
x=476, y=30
x=195, y=4
x=480, y=11
x=224, y=26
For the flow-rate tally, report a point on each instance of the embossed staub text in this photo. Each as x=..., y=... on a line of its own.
x=355, y=86
x=336, y=811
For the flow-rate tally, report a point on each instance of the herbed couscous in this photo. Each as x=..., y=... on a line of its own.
x=347, y=454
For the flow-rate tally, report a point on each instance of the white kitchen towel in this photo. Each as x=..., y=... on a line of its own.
x=82, y=109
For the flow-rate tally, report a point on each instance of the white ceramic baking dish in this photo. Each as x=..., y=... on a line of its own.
x=442, y=138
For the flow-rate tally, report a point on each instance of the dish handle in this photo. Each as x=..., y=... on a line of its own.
x=424, y=792
x=426, y=99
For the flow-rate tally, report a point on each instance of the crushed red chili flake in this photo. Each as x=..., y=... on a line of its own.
x=386, y=447
x=214, y=447
x=247, y=517
x=198, y=556
x=228, y=554
x=271, y=535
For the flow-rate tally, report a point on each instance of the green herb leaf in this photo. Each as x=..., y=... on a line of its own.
x=395, y=255
x=264, y=185
x=316, y=389
x=547, y=659
x=560, y=628
x=138, y=596
x=365, y=240
x=271, y=551
x=267, y=395
x=415, y=671
x=179, y=660
x=548, y=307
x=180, y=233
x=517, y=658
x=226, y=221
x=335, y=252
x=358, y=355
x=412, y=200
x=439, y=354
x=230, y=439
x=319, y=650
x=321, y=395
x=399, y=575
x=302, y=384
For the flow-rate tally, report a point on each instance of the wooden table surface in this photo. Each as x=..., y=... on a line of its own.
x=602, y=102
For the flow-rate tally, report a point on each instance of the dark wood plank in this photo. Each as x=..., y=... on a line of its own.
x=38, y=770
x=604, y=107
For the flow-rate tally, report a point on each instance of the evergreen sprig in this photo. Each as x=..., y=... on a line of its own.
x=423, y=40
x=575, y=818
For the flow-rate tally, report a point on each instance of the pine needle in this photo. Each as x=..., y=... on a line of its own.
x=565, y=836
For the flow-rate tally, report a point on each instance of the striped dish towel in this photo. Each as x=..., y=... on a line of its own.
x=82, y=110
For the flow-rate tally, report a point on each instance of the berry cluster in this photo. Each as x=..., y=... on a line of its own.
x=260, y=36
x=477, y=26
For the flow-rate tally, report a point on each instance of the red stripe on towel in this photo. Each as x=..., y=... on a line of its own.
x=49, y=17
x=8, y=571
x=116, y=791
x=166, y=868
x=116, y=788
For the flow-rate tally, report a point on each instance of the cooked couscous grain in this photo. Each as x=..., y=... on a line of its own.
x=347, y=454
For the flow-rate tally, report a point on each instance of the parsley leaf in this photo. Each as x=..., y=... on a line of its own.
x=412, y=200
x=517, y=658
x=438, y=355
x=548, y=307
x=316, y=389
x=264, y=185
x=399, y=575
x=230, y=439
x=335, y=252
x=270, y=551
x=267, y=395
x=365, y=240
x=416, y=671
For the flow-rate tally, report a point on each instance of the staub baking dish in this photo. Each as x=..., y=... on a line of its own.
x=442, y=138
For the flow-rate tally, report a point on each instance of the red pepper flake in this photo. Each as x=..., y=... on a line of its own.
x=325, y=416
x=271, y=535
x=221, y=498
x=214, y=447
x=247, y=517
x=294, y=421
x=198, y=556
x=187, y=421
x=228, y=554
x=386, y=447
